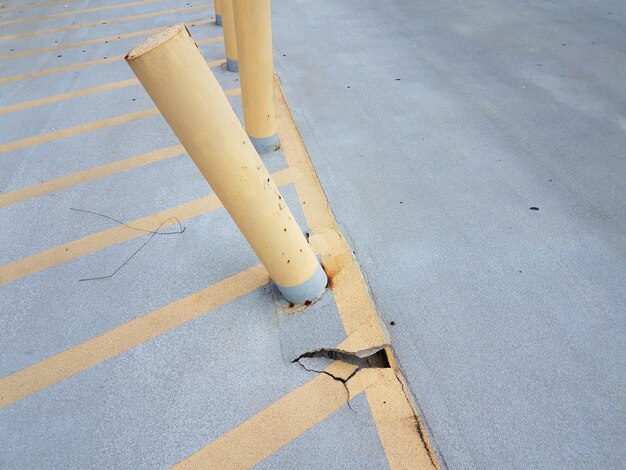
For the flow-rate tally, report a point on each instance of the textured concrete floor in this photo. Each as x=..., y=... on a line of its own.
x=435, y=127
x=185, y=354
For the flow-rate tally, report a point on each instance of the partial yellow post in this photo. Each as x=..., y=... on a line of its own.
x=253, y=27
x=172, y=70
x=217, y=4
x=230, y=39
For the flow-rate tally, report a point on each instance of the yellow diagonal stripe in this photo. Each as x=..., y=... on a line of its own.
x=145, y=32
x=85, y=128
x=100, y=240
x=129, y=335
x=76, y=12
x=96, y=23
x=80, y=65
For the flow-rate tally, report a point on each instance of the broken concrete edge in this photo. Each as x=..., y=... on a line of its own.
x=370, y=359
x=379, y=357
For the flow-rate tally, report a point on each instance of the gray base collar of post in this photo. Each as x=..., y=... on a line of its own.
x=308, y=290
x=218, y=20
x=265, y=144
x=232, y=65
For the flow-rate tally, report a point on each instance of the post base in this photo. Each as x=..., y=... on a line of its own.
x=265, y=144
x=218, y=20
x=232, y=65
x=308, y=290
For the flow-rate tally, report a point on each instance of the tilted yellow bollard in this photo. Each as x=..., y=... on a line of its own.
x=230, y=39
x=172, y=70
x=217, y=4
x=253, y=27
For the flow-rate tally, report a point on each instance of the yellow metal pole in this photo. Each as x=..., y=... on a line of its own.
x=172, y=70
x=217, y=4
x=230, y=40
x=253, y=27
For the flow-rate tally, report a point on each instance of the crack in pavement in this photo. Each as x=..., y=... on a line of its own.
x=377, y=359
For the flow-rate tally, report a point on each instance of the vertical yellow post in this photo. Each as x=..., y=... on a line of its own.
x=217, y=4
x=230, y=39
x=172, y=70
x=253, y=27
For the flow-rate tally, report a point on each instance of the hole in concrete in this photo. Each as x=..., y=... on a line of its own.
x=375, y=360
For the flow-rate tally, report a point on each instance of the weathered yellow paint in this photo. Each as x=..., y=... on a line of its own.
x=67, y=96
x=70, y=362
x=76, y=12
x=404, y=440
x=280, y=423
x=90, y=174
x=253, y=28
x=38, y=5
x=89, y=63
x=217, y=4
x=64, y=68
x=97, y=23
x=348, y=286
x=400, y=430
x=228, y=24
x=175, y=75
x=100, y=240
x=85, y=128
x=116, y=37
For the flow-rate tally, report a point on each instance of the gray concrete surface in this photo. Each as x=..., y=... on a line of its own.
x=434, y=128
x=155, y=404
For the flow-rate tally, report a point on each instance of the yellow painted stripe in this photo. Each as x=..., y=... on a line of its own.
x=97, y=23
x=37, y=5
x=127, y=336
x=351, y=294
x=401, y=433
x=145, y=32
x=64, y=68
x=118, y=234
x=76, y=12
x=89, y=127
x=81, y=65
x=77, y=130
x=67, y=96
x=280, y=423
x=88, y=91
x=90, y=174
x=397, y=425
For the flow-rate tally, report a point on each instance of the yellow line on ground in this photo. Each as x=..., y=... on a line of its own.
x=76, y=12
x=94, y=173
x=112, y=236
x=81, y=65
x=127, y=336
x=107, y=21
x=77, y=130
x=37, y=5
x=67, y=96
x=90, y=126
x=355, y=305
x=145, y=32
x=283, y=421
x=90, y=174
x=397, y=424
x=64, y=68
x=400, y=430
